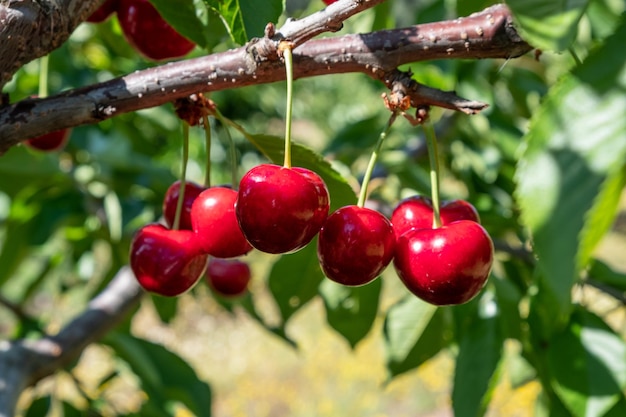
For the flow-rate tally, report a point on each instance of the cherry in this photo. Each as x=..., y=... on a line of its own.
x=228, y=277
x=417, y=212
x=166, y=262
x=329, y=2
x=281, y=209
x=103, y=12
x=149, y=33
x=355, y=245
x=445, y=266
x=50, y=142
x=170, y=201
x=214, y=221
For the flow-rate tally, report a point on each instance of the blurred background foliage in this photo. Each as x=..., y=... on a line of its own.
x=66, y=220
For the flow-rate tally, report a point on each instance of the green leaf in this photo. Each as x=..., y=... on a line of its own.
x=246, y=19
x=351, y=311
x=294, y=280
x=341, y=194
x=601, y=272
x=164, y=376
x=480, y=353
x=549, y=25
x=576, y=141
x=414, y=332
x=39, y=407
x=166, y=307
x=587, y=363
x=183, y=17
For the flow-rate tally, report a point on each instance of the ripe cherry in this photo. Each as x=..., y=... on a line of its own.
x=355, y=245
x=149, y=33
x=103, y=12
x=228, y=277
x=328, y=2
x=166, y=262
x=50, y=142
x=445, y=266
x=170, y=201
x=417, y=212
x=214, y=221
x=281, y=209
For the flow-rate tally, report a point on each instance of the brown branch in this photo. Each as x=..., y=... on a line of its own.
x=24, y=362
x=488, y=34
x=30, y=29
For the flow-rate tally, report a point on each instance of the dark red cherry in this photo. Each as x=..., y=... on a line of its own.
x=417, y=212
x=281, y=209
x=149, y=33
x=228, y=277
x=103, y=12
x=170, y=201
x=214, y=221
x=445, y=266
x=355, y=245
x=166, y=262
x=50, y=142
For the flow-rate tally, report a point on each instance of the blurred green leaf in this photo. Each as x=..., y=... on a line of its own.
x=587, y=363
x=39, y=407
x=414, y=332
x=164, y=376
x=548, y=25
x=341, y=194
x=182, y=15
x=166, y=307
x=351, y=311
x=294, y=280
x=246, y=19
x=601, y=272
x=575, y=142
x=475, y=375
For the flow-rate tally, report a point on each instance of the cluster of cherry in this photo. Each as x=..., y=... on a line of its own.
x=281, y=209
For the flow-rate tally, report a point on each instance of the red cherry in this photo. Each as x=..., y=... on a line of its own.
x=166, y=262
x=50, y=142
x=149, y=33
x=103, y=12
x=445, y=266
x=281, y=209
x=170, y=201
x=417, y=212
x=214, y=221
x=355, y=245
x=228, y=277
x=329, y=2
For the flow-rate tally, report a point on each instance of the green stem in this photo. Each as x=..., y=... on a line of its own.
x=433, y=156
x=183, y=175
x=372, y=162
x=207, y=142
x=289, y=68
x=43, y=76
x=574, y=56
x=226, y=122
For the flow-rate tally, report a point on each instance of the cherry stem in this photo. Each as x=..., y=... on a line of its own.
x=43, y=76
x=207, y=142
x=433, y=157
x=289, y=68
x=183, y=175
x=372, y=163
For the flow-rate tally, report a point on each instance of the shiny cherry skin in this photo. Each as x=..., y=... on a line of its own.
x=214, y=221
x=328, y=2
x=417, y=212
x=149, y=33
x=50, y=142
x=103, y=12
x=166, y=262
x=447, y=265
x=281, y=209
x=355, y=245
x=170, y=201
x=228, y=277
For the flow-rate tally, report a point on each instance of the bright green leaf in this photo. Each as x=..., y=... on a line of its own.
x=246, y=19
x=549, y=25
x=587, y=363
x=576, y=141
x=351, y=311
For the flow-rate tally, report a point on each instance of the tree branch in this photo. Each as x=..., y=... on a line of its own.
x=24, y=362
x=488, y=34
x=30, y=29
